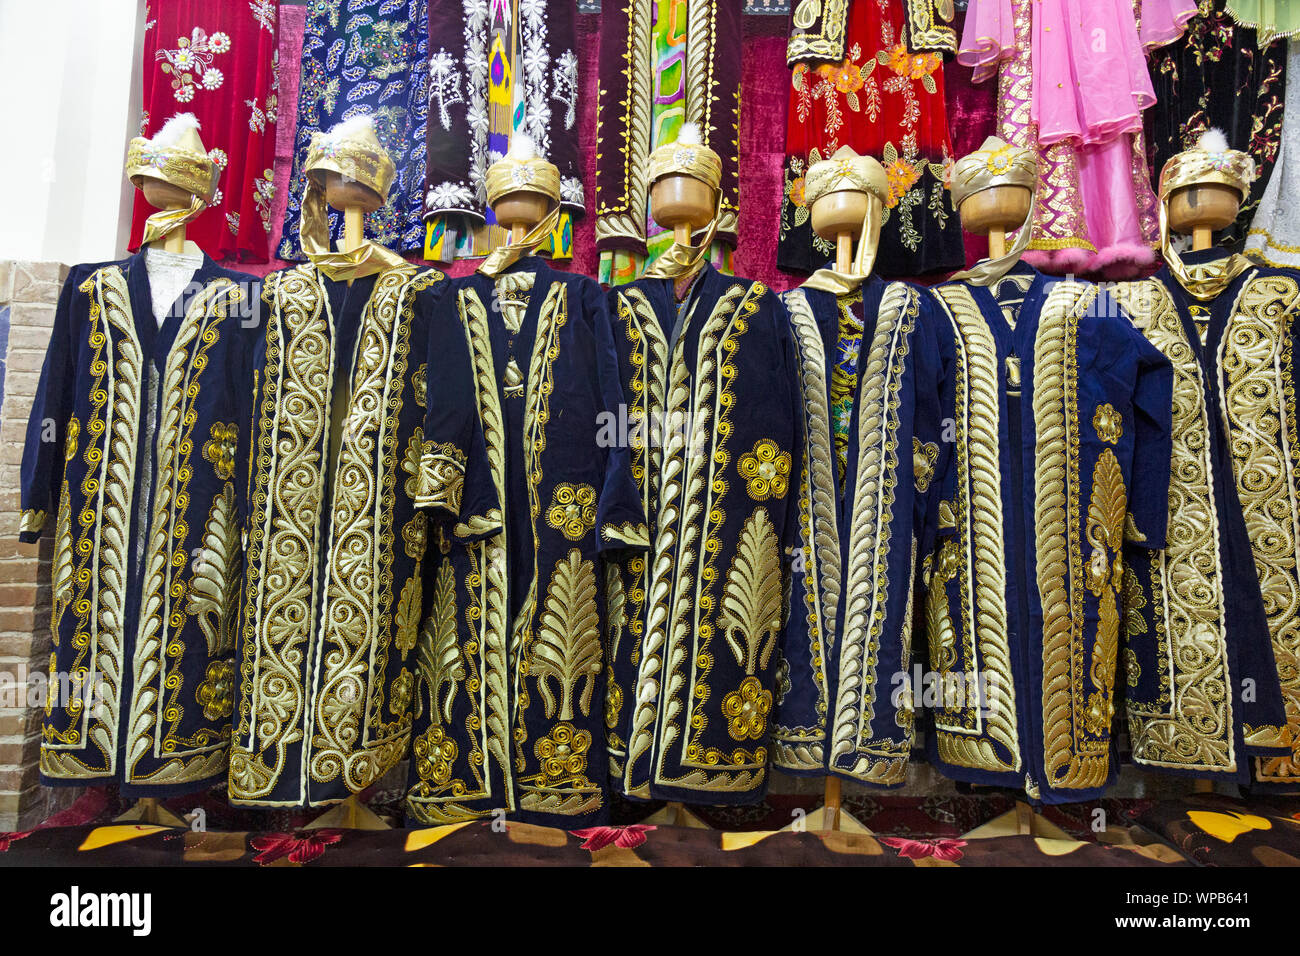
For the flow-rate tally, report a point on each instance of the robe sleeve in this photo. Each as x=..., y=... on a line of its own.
x=788, y=380
x=47, y=427
x=620, y=514
x=934, y=447
x=456, y=481
x=1153, y=443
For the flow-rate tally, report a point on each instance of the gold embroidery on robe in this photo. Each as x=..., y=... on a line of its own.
x=875, y=758
x=966, y=736
x=102, y=541
x=802, y=748
x=1257, y=396
x=1189, y=724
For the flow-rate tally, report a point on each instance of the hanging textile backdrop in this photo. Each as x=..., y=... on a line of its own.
x=762, y=137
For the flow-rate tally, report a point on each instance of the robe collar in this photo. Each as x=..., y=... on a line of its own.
x=155, y=339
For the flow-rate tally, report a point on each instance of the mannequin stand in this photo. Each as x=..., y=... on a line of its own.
x=150, y=810
x=351, y=814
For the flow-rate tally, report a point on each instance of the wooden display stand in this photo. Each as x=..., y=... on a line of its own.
x=685, y=205
x=1199, y=210
x=838, y=217
x=520, y=211
x=995, y=212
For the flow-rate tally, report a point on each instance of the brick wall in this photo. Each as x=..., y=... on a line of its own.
x=28, y=294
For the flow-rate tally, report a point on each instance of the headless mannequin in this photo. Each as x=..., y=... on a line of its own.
x=837, y=217
x=172, y=262
x=520, y=211
x=164, y=288
x=995, y=212
x=685, y=205
x=1197, y=211
x=354, y=200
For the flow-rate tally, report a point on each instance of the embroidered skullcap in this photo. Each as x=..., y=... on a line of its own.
x=846, y=170
x=995, y=163
x=522, y=170
x=352, y=149
x=687, y=156
x=175, y=155
x=1209, y=161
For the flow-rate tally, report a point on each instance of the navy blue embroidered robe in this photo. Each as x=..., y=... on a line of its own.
x=871, y=376
x=526, y=497
x=714, y=407
x=1061, y=414
x=137, y=444
x=333, y=590
x=1202, y=691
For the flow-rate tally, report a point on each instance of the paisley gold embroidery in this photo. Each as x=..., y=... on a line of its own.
x=442, y=480
x=1108, y=423
x=221, y=448
x=766, y=470
x=573, y=510
x=751, y=602
x=924, y=457
x=746, y=710
x=406, y=620
x=568, y=649
x=1105, y=577
x=214, y=581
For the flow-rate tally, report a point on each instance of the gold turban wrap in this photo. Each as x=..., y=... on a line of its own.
x=521, y=170
x=996, y=163
x=176, y=155
x=352, y=150
x=686, y=156
x=1209, y=161
x=846, y=171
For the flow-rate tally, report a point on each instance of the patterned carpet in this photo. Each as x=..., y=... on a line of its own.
x=1202, y=830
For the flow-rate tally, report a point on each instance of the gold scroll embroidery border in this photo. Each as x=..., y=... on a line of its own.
x=803, y=748
x=285, y=497
x=551, y=318
x=1250, y=387
x=103, y=539
x=880, y=761
x=1195, y=732
x=980, y=530
x=162, y=611
x=1069, y=762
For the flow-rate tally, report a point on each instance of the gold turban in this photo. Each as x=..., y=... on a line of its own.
x=685, y=158
x=996, y=163
x=352, y=150
x=521, y=170
x=176, y=155
x=687, y=155
x=1209, y=161
x=522, y=175
x=845, y=170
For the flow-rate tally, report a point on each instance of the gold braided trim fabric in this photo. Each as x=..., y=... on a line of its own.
x=511, y=175
x=184, y=168
x=686, y=159
x=358, y=157
x=996, y=163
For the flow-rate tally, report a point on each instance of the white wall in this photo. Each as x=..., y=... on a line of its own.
x=70, y=100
